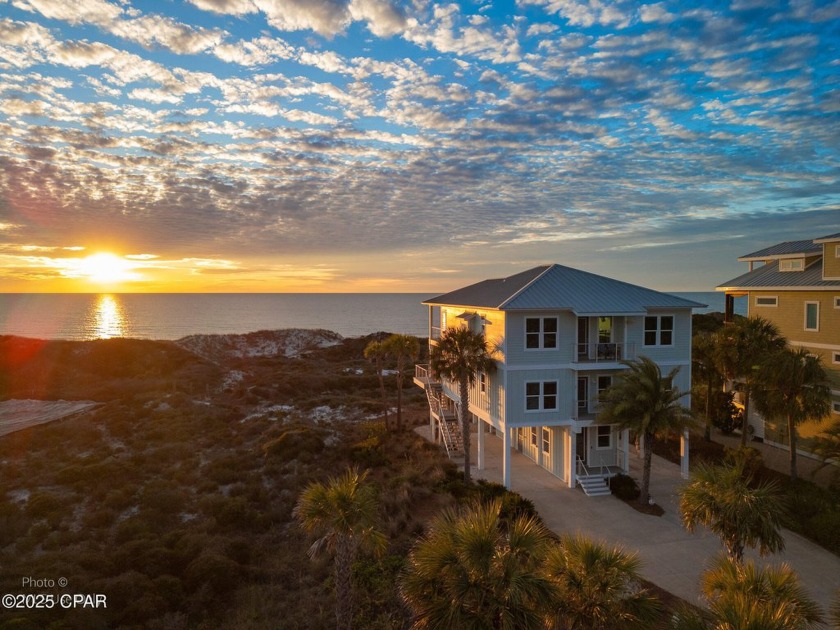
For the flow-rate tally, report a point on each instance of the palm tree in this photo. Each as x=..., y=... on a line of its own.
x=342, y=514
x=375, y=351
x=402, y=348
x=722, y=499
x=795, y=388
x=835, y=610
x=459, y=355
x=598, y=587
x=827, y=446
x=705, y=369
x=741, y=349
x=742, y=596
x=475, y=570
x=642, y=400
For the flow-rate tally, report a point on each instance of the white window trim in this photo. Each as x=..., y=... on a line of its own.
x=775, y=299
x=541, y=333
x=791, y=268
x=837, y=301
x=546, y=439
x=534, y=437
x=835, y=357
x=610, y=445
x=837, y=251
x=658, y=343
x=482, y=383
x=542, y=397
x=805, y=322
x=835, y=407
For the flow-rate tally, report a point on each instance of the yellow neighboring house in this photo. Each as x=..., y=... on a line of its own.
x=795, y=285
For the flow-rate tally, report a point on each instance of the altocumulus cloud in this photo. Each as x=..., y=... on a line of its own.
x=239, y=128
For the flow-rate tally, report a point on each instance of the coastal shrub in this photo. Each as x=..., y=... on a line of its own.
x=513, y=504
x=13, y=523
x=218, y=572
x=625, y=487
x=750, y=458
x=824, y=529
x=296, y=442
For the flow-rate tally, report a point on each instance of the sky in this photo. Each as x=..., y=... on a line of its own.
x=409, y=146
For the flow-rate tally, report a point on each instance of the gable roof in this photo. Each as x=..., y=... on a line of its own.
x=553, y=287
x=781, y=250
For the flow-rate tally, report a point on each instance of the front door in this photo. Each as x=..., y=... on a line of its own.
x=583, y=337
x=582, y=444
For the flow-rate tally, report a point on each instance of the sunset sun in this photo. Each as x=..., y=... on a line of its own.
x=104, y=268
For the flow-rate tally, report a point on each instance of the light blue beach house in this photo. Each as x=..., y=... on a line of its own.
x=560, y=334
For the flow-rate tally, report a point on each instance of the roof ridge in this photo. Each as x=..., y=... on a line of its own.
x=532, y=281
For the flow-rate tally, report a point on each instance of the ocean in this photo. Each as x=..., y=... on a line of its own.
x=174, y=315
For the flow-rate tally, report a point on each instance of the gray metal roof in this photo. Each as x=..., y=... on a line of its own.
x=788, y=248
x=769, y=276
x=488, y=293
x=558, y=287
x=830, y=237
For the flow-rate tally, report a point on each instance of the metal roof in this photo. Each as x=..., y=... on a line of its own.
x=828, y=239
x=769, y=275
x=788, y=248
x=556, y=287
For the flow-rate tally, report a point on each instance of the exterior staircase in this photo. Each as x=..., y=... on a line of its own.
x=447, y=419
x=594, y=485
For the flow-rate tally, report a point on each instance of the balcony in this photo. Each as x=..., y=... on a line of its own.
x=602, y=352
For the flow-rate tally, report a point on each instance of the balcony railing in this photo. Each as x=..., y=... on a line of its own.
x=602, y=352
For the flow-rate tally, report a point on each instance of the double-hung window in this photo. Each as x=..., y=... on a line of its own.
x=604, y=436
x=541, y=396
x=546, y=440
x=812, y=316
x=482, y=382
x=540, y=333
x=659, y=330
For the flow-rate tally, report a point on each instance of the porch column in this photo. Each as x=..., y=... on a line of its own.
x=571, y=452
x=684, y=454
x=507, y=443
x=432, y=425
x=625, y=447
x=480, y=457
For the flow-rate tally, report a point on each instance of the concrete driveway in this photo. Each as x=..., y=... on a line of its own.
x=671, y=557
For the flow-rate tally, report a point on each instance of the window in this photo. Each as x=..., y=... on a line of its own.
x=835, y=357
x=546, y=440
x=766, y=300
x=482, y=382
x=541, y=396
x=533, y=436
x=604, y=329
x=837, y=301
x=582, y=393
x=835, y=407
x=659, y=330
x=604, y=382
x=793, y=264
x=540, y=333
x=604, y=436
x=812, y=316
x=837, y=251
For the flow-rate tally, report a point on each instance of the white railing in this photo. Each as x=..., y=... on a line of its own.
x=602, y=352
x=422, y=371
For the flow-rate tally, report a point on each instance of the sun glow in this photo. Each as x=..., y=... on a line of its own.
x=106, y=268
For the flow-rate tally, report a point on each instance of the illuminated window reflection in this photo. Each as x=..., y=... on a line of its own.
x=110, y=320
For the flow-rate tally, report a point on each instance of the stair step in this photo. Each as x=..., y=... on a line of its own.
x=594, y=486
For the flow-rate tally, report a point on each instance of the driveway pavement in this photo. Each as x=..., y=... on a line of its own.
x=671, y=558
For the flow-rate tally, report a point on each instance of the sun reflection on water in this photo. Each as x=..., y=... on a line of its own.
x=110, y=319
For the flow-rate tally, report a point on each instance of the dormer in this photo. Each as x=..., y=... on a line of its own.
x=792, y=256
x=830, y=256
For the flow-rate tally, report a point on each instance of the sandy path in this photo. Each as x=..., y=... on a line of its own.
x=21, y=414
